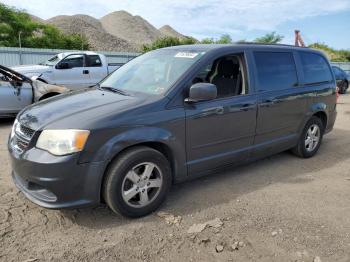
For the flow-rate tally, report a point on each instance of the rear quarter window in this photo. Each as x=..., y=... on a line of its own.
x=315, y=67
x=275, y=70
x=93, y=61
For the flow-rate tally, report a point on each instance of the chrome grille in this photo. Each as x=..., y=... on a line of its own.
x=21, y=137
x=19, y=145
x=26, y=131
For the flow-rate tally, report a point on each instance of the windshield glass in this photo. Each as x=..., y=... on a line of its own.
x=153, y=73
x=51, y=62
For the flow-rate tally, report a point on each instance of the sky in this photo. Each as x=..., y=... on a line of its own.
x=319, y=20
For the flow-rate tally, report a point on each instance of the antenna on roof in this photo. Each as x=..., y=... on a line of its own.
x=298, y=40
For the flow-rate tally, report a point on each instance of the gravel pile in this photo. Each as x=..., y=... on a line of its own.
x=167, y=30
x=135, y=29
x=117, y=31
x=92, y=29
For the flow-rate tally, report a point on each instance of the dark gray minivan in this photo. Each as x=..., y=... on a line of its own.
x=171, y=115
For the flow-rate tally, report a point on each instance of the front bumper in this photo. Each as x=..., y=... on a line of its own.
x=56, y=181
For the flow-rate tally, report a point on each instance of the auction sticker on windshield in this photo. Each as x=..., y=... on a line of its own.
x=186, y=55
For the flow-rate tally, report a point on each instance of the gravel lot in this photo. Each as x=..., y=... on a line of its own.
x=281, y=208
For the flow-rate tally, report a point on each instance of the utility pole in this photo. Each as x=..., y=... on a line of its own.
x=20, y=47
x=19, y=39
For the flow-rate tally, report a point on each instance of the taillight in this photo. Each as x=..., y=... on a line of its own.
x=337, y=91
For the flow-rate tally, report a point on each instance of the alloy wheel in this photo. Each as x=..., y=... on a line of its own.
x=142, y=184
x=312, y=137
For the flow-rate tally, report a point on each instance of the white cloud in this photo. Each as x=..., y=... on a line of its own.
x=194, y=17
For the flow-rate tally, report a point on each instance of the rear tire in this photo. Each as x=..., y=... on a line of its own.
x=137, y=182
x=342, y=90
x=310, y=139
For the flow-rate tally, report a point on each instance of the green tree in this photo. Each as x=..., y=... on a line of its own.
x=270, y=38
x=208, y=41
x=168, y=41
x=224, y=39
x=333, y=54
x=15, y=23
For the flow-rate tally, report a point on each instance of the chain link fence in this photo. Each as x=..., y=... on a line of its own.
x=12, y=56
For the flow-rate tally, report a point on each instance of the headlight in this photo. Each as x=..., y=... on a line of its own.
x=14, y=128
x=62, y=142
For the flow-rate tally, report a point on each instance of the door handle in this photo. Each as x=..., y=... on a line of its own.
x=214, y=110
x=85, y=72
x=219, y=110
x=267, y=103
x=211, y=111
x=247, y=107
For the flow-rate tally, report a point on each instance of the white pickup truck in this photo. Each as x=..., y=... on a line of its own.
x=73, y=70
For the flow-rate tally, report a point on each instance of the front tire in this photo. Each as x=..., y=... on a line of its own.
x=137, y=182
x=310, y=139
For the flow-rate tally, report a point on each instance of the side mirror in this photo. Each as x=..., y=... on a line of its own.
x=18, y=84
x=63, y=65
x=202, y=92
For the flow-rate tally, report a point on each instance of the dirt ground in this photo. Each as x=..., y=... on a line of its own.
x=281, y=209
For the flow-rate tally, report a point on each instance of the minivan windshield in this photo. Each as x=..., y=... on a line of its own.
x=153, y=73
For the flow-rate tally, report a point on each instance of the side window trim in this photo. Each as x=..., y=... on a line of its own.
x=256, y=77
x=242, y=57
x=318, y=83
x=224, y=99
x=177, y=94
x=297, y=69
x=304, y=82
x=87, y=60
x=84, y=60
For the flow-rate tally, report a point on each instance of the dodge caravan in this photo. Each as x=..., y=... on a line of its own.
x=171, y=115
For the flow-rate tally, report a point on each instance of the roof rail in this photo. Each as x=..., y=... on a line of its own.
x=269, y=44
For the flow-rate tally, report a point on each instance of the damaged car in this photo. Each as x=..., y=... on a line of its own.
x=18, y=91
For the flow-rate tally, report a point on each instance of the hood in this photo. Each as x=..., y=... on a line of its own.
x=77, y=110
x=28, y=69
x=13, y=75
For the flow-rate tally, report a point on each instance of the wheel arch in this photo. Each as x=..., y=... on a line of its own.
x=42, y=80
x=48, y=95
x=319, y=110
x=323, y=116
x=156, y=138
x=158, y=146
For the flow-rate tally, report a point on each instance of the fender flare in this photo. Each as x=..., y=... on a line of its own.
x=312, y=110
x=139, y=136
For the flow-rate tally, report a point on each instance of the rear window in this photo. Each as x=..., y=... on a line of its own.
x=93, y=61
x=315, y=68
x=275, y=70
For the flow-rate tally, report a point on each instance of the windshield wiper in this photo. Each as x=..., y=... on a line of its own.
x=113, y=89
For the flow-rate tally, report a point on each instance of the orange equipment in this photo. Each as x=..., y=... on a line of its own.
x=298, y=40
